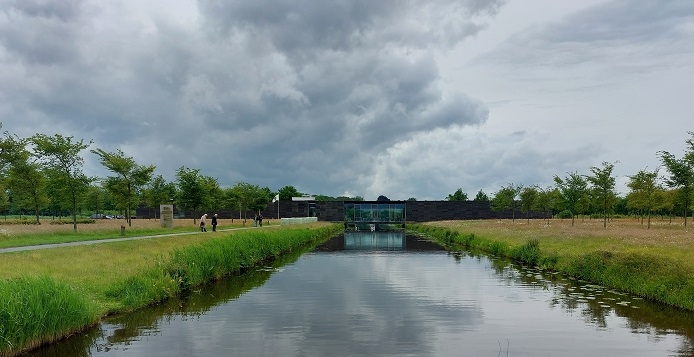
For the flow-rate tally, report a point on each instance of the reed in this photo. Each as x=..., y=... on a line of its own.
x=37, y=310
x=192, y=266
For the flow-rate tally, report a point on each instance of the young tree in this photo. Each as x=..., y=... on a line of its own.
x=602, y=186
x=130, y=178
x=25, y=180
x=246, y=197
x=506, y=199
x=644, y=189
x=546, y=199
x=158, y=192
x=215, y=195
x=287, y=192
x=681, y=173
x=572, y=191
x=459, y=195
x=60, y=158
x=528, y=200
x=191, y=190
x=95, y=199
x=481, y=196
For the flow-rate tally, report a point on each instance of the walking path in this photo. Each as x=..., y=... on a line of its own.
x=108, y=240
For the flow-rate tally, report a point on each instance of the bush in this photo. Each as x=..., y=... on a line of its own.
x=564, y=214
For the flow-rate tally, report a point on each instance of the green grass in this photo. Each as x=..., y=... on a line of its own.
x=85, y=234
x=36, y=310
x=659, y=273
x=89, y=282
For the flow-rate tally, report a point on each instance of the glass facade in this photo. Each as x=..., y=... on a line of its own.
x=384, y=215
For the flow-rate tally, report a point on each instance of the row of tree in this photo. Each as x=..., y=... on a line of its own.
x=44, y=174
x=595, y=193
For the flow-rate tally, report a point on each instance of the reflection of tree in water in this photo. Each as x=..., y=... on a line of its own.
x=120, y=331
x=596, y=303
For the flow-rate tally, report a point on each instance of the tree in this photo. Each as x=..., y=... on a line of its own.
x=681, y=173
x=191, y=190
x=130, y=178
x=505, y=199
x=25, y=180
x=644, y=189
x=602, y=186
x=382, y=198
x=546, y=199
x=481, y=196
x=249, y=197
x=459, y=195
x=287, y=192
x=159, y=192
x=528, y=200
x=96, y=199
x=215, y=194
x=572, y=191
x=60, y=158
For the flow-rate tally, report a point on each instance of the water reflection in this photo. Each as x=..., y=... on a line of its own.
x=597, y=305
x=378, y=241
x=119, y=332
x=364, y=297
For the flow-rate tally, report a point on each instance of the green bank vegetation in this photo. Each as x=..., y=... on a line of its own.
x=48, y=294
x=651, y=268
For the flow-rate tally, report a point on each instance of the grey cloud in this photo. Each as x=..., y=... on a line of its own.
x=621, y=36
x=282, y=92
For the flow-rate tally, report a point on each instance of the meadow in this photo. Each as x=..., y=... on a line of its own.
x=17, y=233
x=654, y=263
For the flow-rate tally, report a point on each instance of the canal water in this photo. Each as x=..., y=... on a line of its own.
x=387, y=294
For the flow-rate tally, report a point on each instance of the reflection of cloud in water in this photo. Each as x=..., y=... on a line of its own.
x=412, y=301
x=598, y=305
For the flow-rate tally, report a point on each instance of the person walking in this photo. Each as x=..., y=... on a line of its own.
x=214, y=223
x=203, y=223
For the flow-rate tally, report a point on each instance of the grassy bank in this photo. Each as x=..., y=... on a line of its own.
x=653, y=263
x=48, y=294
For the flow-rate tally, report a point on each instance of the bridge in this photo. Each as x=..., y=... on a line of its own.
x=374, y=215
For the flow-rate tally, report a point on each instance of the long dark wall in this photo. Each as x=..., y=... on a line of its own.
x=334, y=211
x=424, y=211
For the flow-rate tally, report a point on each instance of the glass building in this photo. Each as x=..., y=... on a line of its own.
x=380, y=216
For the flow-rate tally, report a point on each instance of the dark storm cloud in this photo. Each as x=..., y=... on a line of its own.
x=306, y=88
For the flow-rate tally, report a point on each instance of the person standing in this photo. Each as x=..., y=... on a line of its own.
x=260, y=218
x=203, y=223
x=214, y=223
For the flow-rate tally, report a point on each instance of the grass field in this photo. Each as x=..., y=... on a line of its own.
x=17, y=235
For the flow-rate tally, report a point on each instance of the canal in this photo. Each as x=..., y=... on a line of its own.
x=387, y=294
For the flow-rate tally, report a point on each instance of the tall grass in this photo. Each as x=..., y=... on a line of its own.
x=195, y=265
x=648, y=273
x=36, y=310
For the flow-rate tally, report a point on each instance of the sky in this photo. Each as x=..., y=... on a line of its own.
x=357, y=98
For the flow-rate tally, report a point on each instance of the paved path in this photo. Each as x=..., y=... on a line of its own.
x=69, y=244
